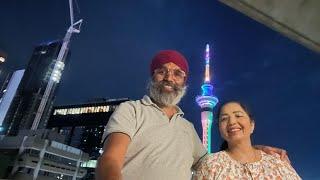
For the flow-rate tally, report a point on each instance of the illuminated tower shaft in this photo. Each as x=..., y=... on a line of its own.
x=207, y=101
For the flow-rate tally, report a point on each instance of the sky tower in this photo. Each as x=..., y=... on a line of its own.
x=207, y=101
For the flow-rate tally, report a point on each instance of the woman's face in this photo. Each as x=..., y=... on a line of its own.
x=235, y=124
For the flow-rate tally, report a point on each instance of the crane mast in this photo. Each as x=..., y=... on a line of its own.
x=58, y=67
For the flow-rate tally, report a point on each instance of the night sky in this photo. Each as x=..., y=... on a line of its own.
x=278, y=78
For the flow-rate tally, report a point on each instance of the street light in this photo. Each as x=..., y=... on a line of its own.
x=3, y=57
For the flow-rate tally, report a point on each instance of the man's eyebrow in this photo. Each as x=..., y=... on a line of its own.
x=234, y=112
x=224, y=114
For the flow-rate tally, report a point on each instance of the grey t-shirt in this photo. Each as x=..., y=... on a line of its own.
x=160, y=148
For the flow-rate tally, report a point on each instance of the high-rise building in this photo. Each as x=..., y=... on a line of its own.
x=34, y=152
x=83, y=126
x=207, y=101
x=8, y=92
x=32, y=88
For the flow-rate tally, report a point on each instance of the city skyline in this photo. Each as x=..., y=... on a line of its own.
x=277, y=77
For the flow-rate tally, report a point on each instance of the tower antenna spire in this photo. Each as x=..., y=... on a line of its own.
x=207, y=70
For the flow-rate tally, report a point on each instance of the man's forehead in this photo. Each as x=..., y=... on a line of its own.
x=171, y=65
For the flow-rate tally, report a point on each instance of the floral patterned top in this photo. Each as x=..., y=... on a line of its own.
x=221, y=166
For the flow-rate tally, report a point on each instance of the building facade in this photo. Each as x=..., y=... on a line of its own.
x=8, y=91
x=83, y=126
x=31, y=89
x=40, y=154
x=285, y=17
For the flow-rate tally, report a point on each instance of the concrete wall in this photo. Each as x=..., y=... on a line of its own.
x=296, y=19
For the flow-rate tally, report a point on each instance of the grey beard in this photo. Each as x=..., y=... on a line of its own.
x=165, y=98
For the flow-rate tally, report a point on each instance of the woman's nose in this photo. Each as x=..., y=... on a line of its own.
x=232, y=120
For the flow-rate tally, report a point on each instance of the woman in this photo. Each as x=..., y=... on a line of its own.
x=241, y=160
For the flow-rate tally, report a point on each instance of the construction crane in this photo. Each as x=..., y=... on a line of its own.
x=58, y=67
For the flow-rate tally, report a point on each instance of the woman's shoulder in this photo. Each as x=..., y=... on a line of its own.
x=212, y=162
x=274, y=158
x=274, y=163
x=216, y=158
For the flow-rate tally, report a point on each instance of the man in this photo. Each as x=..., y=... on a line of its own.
x=149, y=139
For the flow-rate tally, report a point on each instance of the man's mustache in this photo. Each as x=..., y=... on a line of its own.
x=168, y=83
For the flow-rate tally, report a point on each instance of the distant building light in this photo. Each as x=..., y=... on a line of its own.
x=101, y=151
x=60, y=65
x=90, y=164
x=2, y=59
x=82, y=110
x=56, y=76
x=57, y=71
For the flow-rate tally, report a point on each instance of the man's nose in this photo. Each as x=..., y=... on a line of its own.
x=169, y=76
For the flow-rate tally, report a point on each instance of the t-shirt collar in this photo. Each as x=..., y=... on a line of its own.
x=146, y=100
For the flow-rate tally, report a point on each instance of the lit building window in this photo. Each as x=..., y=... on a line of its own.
x=83, y=110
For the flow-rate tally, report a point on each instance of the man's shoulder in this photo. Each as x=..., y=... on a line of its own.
x=132, y=107
x=130, y=103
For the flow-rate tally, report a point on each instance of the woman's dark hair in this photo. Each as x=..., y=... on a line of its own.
x=224, y=144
